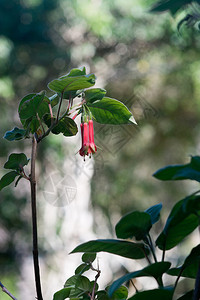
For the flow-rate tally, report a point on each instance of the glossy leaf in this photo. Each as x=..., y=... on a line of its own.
x=88, y=257
x=182, y=221
x=154, y=212
x=15, y=134
x=190, y=266
x=187, y=296
x=156, y=294
x=155, y=270
x=118, y=247
x=81, y=269
x=8, y=179
x=62, y=294
x=66, y=126
x=92, y=95
x=135, y=224
x=179, y=172
x=71, y=82
x=16, y=161
x=111, y=111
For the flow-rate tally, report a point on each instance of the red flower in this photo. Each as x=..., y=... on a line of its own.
x=87, y=133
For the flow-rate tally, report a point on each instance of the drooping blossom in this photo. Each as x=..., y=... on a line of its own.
x=87, y=133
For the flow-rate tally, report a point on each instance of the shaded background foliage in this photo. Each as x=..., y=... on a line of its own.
x=139, y=58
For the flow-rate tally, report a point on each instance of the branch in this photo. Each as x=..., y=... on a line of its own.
x=34, y=220
x=5, y=290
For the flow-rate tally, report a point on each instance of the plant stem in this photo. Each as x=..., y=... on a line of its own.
x=34, y=220
x=151, y=247
x=5, y=290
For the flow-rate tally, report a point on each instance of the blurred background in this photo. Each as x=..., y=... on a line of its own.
x=140, y=59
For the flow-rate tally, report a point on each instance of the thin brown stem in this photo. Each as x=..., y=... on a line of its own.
x=5, y=290
x=34, y=220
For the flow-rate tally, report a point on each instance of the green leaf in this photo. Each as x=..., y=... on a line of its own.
x=135, y=224
x=122, y=248
x=92, y=95
x=8, y=179
x=154, y=212
x=102, y=295
x=156, y=294
x=170, y=5
x=187, y=296
x=78, y=285
x=72, y=94
x=111, y=111
x=190, y=266
x=120, y=294
x=75, y=80
x=182, y=220
x=66, y=126
x=179, y=172
x=62, y=294
x=155, y=270
x=30, y=105
x=30, y=108
x=81, y=269
x=54, y=100
x=15, y=134
x=88, y=257
x=16, y=161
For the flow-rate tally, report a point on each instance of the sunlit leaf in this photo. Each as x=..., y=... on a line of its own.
x=92, y=95
x=111, y=111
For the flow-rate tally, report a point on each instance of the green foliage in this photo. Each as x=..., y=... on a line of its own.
x=156, y=294
x=118, y=247
x=179, y=172
x=92, y=95
x=8, y=179
x=110, y=111
x=155, y=270
x=136, y=224
x=15, y=134
x=154, y=212
x=16, y=161
x=66, y=126
x=182, y=221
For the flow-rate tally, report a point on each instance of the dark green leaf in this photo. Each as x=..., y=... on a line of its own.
x=72, y=82
x=18, y=179
x=78, y=285
x=111, y=111
x=88, y=257
x=180, y=172
x=122, y=248
x=54, y=100
x=135, y=224
x=15, y=134
x=102, y=295
x=92, y=95
x=16, y=161
x=155, y=270
x=154, y=212
x=72, y=94
x=66, y=126
x=62, y=294
x=187, y=296
x=81, y=269
x=31, y=108
x=8, y=179
x=30, y=105
x=182, y=221
x=190, y=266
x=170, y=5
x=157, y=294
